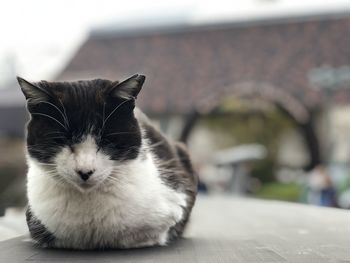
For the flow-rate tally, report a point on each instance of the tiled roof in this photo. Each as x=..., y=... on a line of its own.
x=186, y=67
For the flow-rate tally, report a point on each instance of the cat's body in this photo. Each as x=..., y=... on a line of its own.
x=135, y=189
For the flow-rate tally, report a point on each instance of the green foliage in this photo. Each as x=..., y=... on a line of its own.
x=264, y=170
x=245, y=122
x=278, y=191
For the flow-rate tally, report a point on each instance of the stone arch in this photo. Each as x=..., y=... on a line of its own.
x=290, y=105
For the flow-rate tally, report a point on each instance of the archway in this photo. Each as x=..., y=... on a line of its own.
x=293, y=108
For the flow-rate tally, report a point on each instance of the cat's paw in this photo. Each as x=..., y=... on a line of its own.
x=179, y=203
x=163, y=239
x=177, y=214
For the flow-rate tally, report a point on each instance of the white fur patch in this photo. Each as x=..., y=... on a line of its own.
x=83, y=157
x=131, y=197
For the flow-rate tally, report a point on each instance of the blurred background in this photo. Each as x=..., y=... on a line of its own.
x=258, y=89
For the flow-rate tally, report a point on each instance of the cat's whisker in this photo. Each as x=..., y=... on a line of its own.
x=53, y=165
x=65, y=113
x=116, y=108
x=152, y=146
x=51, y=172
x=47, y=146
x=55, y=132
x=105, y=171
x=50, y=117
x=162, y=162
x=113, y=179
x=53, y=105
x=118, y=133
x=104, y=111
x=118, y=173
x=50, y=144
x=57, y=137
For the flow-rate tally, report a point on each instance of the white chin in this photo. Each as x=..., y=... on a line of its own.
x=84, y=187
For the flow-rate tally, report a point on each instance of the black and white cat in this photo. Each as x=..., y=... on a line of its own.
x=100, y=175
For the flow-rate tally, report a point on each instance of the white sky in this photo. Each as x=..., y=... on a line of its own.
x=41, y=35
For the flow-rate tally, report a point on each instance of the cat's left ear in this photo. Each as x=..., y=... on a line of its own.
x=130, y=88
x=33, y=93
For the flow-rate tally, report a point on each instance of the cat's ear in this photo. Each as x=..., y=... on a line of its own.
x=32, y=92
x=130, y=88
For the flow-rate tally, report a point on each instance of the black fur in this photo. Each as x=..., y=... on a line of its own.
x=62, y=113
x=38, y=231
x=176, y=171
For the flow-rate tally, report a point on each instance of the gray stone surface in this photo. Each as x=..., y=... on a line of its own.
x=13, y=224
x=226, y=229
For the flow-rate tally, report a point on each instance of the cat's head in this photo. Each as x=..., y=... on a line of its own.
x=79, y=131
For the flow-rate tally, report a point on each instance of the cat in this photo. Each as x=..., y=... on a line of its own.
x=100, y=175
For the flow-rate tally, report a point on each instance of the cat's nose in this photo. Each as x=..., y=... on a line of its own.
x=85, y=175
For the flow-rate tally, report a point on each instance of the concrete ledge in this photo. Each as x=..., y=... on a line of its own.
x=226, y=229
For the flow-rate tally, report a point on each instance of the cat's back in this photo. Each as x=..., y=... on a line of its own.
x=174, y=166
x=171, y=156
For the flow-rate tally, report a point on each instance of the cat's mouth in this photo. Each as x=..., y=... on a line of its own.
x=86, y=186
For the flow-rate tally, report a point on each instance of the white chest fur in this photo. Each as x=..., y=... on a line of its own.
x=116, y=214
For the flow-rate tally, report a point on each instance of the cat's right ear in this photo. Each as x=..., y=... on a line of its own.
x=129, y=88
x=33, y=93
